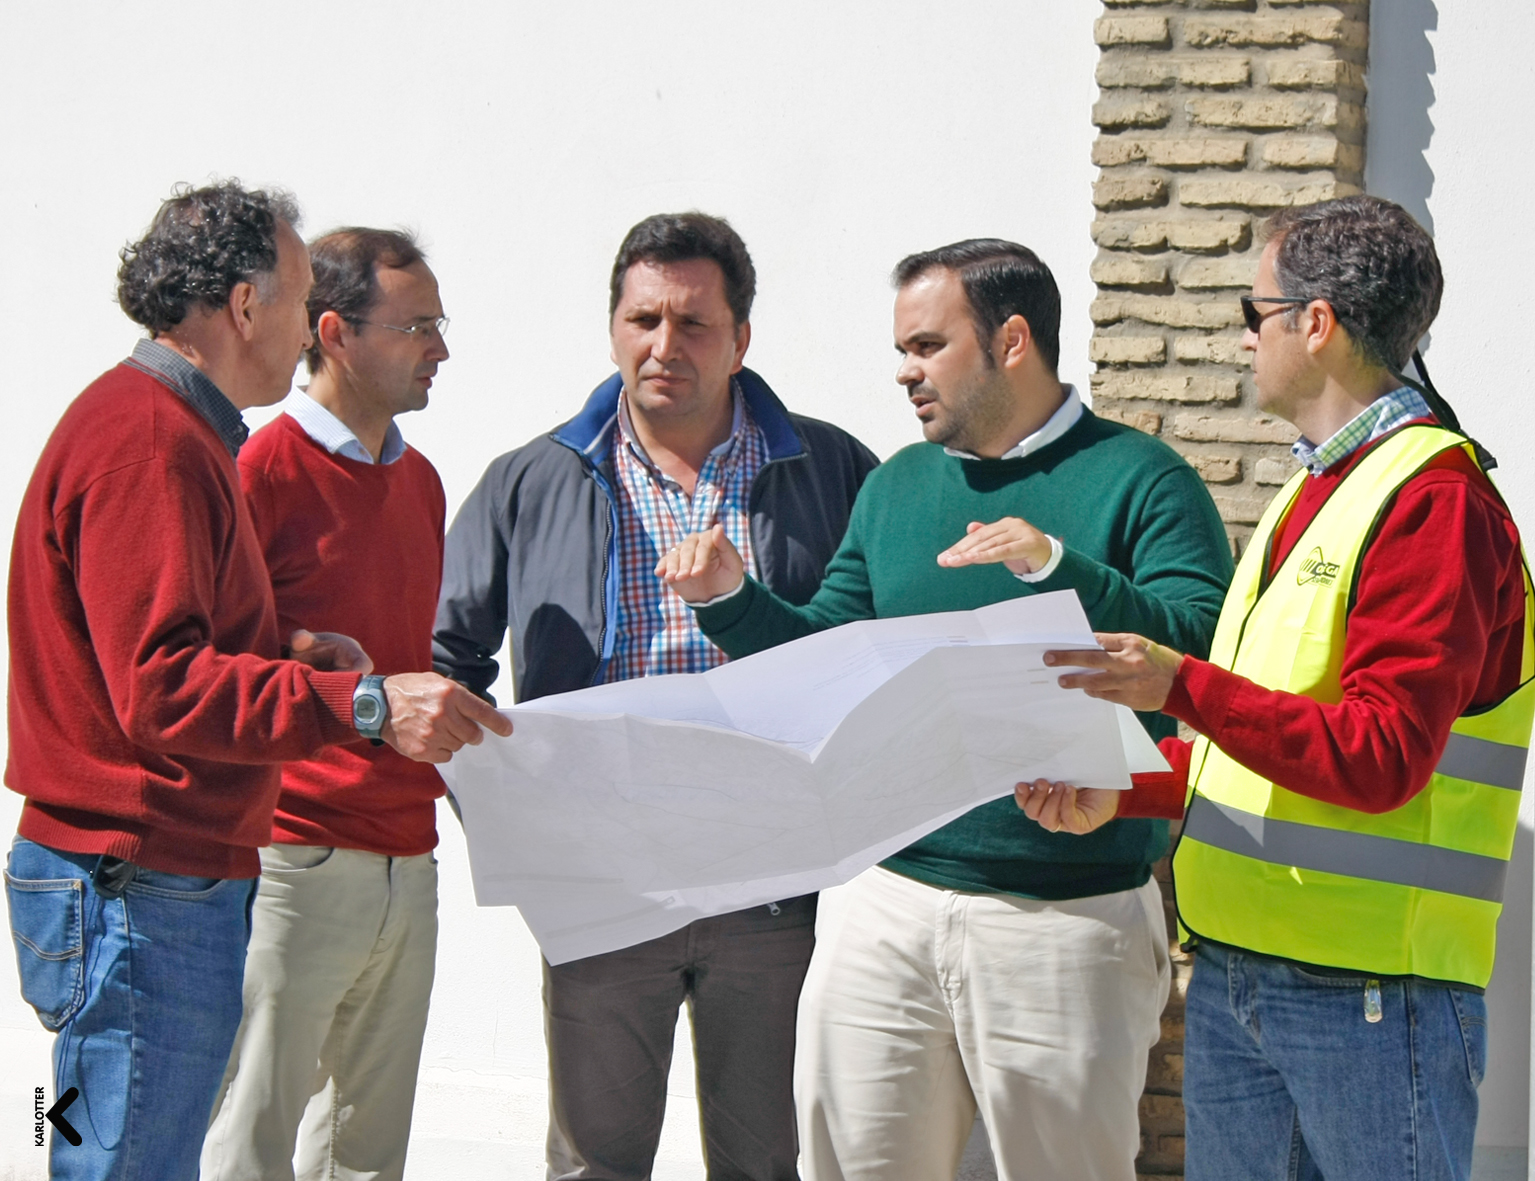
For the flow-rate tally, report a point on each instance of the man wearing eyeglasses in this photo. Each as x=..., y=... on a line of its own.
x=1366, y=714
x=344, y=932
x=152, y=699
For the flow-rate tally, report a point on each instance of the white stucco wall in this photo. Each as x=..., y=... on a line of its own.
x=522, y=140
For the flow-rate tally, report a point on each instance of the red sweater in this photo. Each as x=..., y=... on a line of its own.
x=148, y=706
x=1436, y=629
x=353, y=548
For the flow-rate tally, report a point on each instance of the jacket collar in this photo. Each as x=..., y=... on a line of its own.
x=591, y=431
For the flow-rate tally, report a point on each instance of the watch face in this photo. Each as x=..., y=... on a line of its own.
x=366, y=710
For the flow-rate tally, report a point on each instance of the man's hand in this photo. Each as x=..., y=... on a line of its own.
x=702, y=566
x=430, y=717
x=329, y=652
x=1133, y=671
x=1059, y=807
x=1012, y=541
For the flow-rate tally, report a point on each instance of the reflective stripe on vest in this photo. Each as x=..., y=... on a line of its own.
x=1413, y=892
x=1354, y=854
x=1483, y=761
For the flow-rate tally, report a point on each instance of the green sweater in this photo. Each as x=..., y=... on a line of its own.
x=1144, y=549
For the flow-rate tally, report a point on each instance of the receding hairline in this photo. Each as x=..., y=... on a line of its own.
x=400, y=243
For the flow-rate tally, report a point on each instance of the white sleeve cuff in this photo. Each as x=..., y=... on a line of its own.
x=730, y=594
x=1044, y=572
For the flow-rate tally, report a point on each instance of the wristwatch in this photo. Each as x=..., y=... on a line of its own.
x=370, y=709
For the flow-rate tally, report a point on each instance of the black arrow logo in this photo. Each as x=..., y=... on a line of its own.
x=55, y=1116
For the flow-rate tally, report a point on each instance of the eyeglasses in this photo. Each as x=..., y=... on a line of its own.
x=1253, y=318
x=417, y=332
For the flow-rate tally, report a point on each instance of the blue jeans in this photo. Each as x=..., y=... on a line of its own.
x=143, y=991
x=1287, y=1079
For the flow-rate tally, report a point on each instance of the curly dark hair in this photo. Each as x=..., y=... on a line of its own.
x=682, y=237
x=1001, y=279
x=346, y=263
x=1371, y=261
x=201, y=244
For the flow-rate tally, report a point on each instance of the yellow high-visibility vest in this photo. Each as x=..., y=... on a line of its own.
x=1412, y=892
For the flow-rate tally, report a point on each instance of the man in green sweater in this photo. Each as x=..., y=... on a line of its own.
x=991, y=963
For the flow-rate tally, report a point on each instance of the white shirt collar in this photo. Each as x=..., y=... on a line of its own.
x=334, y=435
x=1064, y=418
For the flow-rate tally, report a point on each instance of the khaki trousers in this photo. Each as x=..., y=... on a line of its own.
x=922, y=1004
x=322, y=1079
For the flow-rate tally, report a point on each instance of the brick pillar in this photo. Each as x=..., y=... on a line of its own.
x=1212, y=114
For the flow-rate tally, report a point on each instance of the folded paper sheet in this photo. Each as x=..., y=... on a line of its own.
x=622, y=812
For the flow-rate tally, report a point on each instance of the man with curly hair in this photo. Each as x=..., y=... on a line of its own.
x=1365, y=719
x=152, y=698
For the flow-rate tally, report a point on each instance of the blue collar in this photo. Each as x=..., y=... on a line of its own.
x=168, y=366
x=591, y=431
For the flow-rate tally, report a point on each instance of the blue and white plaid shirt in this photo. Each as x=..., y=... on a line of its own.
x=1381, y=416
x=655, y=631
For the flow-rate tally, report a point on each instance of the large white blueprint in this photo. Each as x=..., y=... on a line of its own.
x=622, y=812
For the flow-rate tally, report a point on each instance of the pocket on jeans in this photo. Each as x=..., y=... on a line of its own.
x=1329, y=979
x=46, y=928
x=281, y=859
x=1471, y=1015
x=178, y=886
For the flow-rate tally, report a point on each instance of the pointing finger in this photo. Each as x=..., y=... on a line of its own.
x=480, y=711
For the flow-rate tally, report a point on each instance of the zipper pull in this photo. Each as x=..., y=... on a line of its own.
x=773, y=909
x=1372, y=1009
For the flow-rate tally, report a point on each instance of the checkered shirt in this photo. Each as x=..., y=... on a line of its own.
x=1384, y=414
x=656, y=632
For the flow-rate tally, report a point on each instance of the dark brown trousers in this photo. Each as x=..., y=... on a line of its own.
x=610, y=1022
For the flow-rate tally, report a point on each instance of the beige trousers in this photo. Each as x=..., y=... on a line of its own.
x=322, y=1078
x=922, y=1004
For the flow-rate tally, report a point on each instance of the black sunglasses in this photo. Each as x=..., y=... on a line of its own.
x=1253, y=318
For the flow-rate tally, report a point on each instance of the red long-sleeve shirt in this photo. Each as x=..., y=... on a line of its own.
x=354, y=548
x=149, y=709
x=1436, y=629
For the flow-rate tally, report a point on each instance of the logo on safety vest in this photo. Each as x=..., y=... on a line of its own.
x=1316, y=569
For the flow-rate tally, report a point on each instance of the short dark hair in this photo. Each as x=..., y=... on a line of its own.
x=1001, y=279
x=346, y=263
x=1371, y=261
x=200, y=246
x=682, y=237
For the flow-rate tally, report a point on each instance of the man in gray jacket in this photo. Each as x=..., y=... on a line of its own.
x=560, y=541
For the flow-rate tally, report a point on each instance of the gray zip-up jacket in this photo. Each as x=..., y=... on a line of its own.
x=534, y=547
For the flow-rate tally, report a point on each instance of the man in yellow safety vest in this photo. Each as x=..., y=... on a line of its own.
x=1364, y=718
